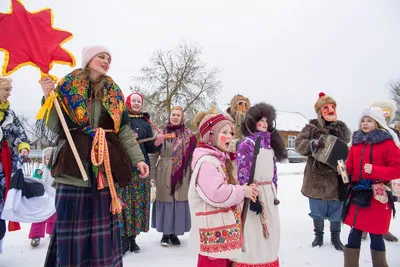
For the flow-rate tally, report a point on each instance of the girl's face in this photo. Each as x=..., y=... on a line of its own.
x=5, y=94
x=100, y=63
x=136, y=103
x=47, y=160
x=367, y=125
x=176, y=117
x=262, y=125
x=225, y=137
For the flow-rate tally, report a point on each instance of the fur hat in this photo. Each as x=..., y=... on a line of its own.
x=377, y=115
x=256, y=113
x=389, y=105
x=210, y=124
x=5, y=83
x=89, y=52
x=323, y=100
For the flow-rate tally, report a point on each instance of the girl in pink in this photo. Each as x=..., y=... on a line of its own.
x=38, y=229
x=215, y=195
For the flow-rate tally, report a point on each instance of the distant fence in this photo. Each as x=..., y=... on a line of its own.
x=33, y=162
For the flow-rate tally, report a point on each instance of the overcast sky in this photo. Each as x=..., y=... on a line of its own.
x=281, y=52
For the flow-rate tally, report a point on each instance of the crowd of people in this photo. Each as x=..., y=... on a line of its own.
x=221, y=187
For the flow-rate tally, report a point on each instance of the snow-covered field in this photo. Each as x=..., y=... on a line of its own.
x=295, y=250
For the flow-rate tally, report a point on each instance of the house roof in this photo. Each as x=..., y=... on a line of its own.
x=290, y=121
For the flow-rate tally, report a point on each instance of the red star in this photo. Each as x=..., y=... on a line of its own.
x=30, y=39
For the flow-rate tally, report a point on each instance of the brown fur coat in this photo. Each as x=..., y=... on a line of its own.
x=320, y=181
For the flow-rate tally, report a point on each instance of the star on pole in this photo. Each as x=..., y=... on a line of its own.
x=30, y=39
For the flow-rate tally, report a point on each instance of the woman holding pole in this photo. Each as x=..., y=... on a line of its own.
x=87, y=231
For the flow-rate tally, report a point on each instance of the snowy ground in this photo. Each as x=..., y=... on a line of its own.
x=295, y=250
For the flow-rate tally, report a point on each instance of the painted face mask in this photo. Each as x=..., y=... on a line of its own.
x=241, y=106
x=386, y=113
x=329, y=112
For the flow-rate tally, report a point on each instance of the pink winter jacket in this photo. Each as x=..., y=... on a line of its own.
x=217, y=192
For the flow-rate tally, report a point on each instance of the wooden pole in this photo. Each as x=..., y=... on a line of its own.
x=69, y=138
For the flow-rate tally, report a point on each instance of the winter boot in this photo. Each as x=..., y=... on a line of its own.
x=165, y=241
x=175, y=240
x=134, y=247
x=364, y=235
x=335, y=235
x=125, y=245
x=378, y=258
x=319, y=233
x=35, y=242
x=351, y=256
x=390, y=237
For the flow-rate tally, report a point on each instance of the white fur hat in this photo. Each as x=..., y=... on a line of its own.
x=377, y=115
x=89, y=52
x=389, y=105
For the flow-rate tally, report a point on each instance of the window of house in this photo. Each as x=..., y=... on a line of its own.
x=291, y=139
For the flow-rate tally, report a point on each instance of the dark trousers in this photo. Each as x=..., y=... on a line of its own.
x=354, y=241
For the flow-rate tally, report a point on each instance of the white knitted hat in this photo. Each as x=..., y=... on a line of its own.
x=89, y=52
x=377, y=115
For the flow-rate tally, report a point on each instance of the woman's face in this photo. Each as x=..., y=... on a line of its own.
x=225, y=137
x=136, y=103
x=100, y=63
x=367, y=125
x=5, y=94
x=262, y=125
x=176, y=117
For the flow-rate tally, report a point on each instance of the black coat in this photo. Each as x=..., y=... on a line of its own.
x=143, y=130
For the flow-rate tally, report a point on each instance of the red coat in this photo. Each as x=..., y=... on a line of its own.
x=385, y=166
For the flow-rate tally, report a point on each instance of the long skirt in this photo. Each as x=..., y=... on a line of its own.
x=85, y=233
x=171, y=218
x=135, y=215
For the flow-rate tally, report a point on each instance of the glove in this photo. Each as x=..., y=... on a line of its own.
x=256, y=206
x=317, y=143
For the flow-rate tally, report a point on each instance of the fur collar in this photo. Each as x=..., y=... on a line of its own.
x=374, y=137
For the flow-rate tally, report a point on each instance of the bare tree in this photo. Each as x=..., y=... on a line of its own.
x=38, y=130
x=395, y=92
x=178, y=77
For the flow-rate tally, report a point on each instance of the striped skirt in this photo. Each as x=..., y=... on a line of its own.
x=85, y=233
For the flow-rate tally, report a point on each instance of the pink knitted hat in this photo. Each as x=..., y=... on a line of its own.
x=89, y=52
x=210, y=126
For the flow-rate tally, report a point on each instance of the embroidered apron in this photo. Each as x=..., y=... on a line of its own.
x=262, y=232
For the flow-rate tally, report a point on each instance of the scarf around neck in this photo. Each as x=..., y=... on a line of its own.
x=375, y=137
x=3, y=108
x=73, y=92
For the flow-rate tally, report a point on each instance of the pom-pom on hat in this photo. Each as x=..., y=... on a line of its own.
x=210, y=126
x=323, y=100
x=89, y=52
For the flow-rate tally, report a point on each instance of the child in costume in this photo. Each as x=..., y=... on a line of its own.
x=38, y=229
x=373, y=161
x=214, y=195
x=13, y=144
x=262, y=227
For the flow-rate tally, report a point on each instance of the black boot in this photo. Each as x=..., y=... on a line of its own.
x=165, y=241
x=125, y=245
x=319, y=233
x=175, y=240
x=335, y=236
x=134, y=247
